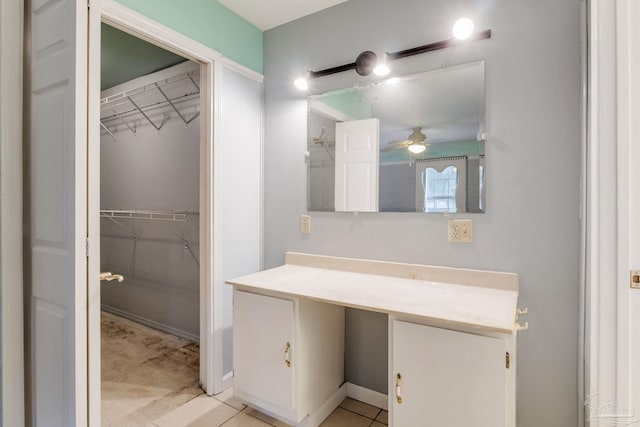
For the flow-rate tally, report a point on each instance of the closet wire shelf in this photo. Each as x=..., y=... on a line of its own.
x=175, y=216
x=172, y=216
x=126, y=107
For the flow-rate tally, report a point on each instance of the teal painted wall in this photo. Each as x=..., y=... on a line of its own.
x=210, y=23
x=433, y=151
x=350, y=101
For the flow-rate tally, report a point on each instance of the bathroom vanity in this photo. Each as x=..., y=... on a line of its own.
x=451, y=332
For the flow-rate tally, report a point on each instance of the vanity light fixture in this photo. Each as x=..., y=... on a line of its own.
x=301, y=83
x=382, y=69
x=367, y=61
x=463, y=28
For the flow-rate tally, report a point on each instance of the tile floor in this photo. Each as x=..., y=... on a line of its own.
x=227, y=411
x=149, y=379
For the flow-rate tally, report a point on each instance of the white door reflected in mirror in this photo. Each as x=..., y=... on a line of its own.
x=357, y=148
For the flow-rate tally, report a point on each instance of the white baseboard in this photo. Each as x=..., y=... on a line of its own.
x=375, y=398
x=326, y=409
x=151, y=323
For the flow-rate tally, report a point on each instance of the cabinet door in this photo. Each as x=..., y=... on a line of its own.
x=262, y=328
x=447, y=378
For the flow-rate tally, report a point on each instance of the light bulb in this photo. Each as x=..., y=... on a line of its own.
x=463, y=28
x=382, y=69
x=417, y=148
x=301, y=83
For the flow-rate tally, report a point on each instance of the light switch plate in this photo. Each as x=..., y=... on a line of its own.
x=635, y=279
x=460, y=231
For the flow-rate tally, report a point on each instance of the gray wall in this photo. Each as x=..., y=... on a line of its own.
x=397, y=188
x=153, y=170
x=531, y=226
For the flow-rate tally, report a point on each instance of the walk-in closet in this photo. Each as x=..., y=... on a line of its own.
x=150, y=230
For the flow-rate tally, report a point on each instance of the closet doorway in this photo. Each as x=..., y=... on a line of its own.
x=149, y=229
x=230, y=208
x=212, y=378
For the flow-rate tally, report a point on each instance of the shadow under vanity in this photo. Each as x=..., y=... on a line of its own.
x=452, y=336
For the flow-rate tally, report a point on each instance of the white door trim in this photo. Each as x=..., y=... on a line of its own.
x=607, y=211
x=11, y=79
x=628, y=300
x=600, y=218
x=211, y=291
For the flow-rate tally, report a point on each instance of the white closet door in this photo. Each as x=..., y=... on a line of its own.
x=357, y=158
x=57, y=191
x=448, y=378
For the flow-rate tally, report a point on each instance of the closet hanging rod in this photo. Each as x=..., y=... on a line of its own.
x=176, y=216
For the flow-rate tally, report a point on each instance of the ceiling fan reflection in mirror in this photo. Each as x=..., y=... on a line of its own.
x=415, y=143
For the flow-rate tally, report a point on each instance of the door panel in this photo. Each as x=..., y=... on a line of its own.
x=57, y=194
x=262, y=328
x=448, y=378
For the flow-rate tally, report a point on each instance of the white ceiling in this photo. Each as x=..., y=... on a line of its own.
x=266, y=14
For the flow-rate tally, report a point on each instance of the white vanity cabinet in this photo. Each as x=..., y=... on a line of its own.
x=451, y=332
x=441, y=377
x=288, y=355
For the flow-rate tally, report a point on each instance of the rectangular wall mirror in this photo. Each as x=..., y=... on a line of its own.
x=408, y=144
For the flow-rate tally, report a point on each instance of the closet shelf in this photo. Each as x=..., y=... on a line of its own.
x=175, y=216
x=158, y=98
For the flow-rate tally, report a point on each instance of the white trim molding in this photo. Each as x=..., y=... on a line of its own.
x=366, y=395
x=608, y=201
x=11, y=279
x=600, y=216
x=628, y=300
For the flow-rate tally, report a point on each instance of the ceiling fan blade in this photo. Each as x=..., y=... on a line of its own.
x=395, y=145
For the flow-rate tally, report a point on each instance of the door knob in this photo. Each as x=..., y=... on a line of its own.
x=108, y=276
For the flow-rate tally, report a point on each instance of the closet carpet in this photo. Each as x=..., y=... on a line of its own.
x=145, y=373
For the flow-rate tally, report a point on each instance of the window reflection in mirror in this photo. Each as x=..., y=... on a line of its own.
x=440, y=189
x=435, y=116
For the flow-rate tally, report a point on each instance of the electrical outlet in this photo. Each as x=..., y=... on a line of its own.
x=305, y=224
x=460, y=230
